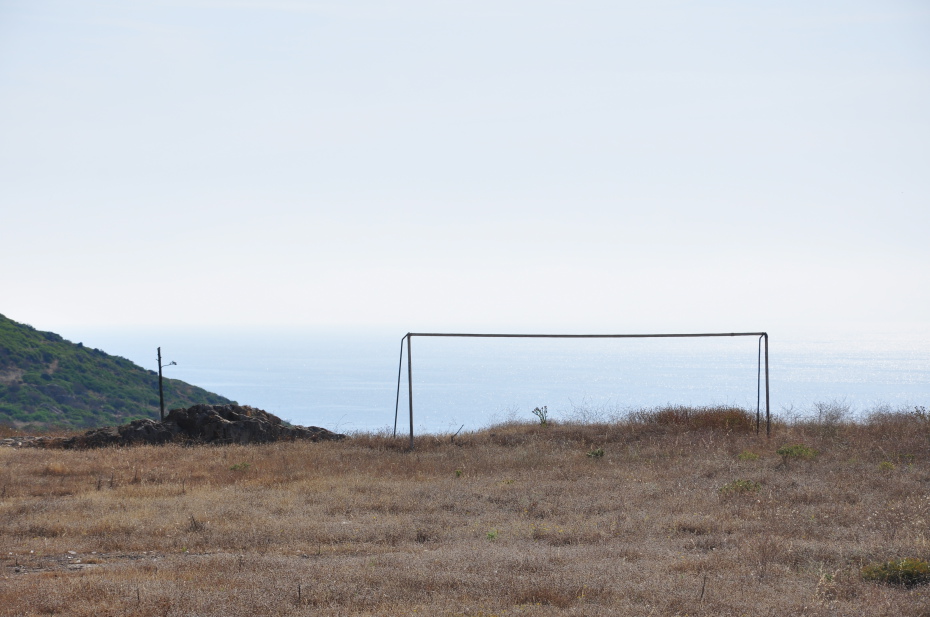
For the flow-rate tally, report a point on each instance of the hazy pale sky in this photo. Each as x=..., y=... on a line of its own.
x=558, y=165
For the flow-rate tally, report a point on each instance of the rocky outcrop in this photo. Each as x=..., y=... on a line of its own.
x=214, y=424
x=238, y=424
x=22, y=441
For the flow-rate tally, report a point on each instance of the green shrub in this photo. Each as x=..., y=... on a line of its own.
x=543, y=414
x=796, y=451
x=740, y=486
x=596, y=453
x=72, y=379
x=907, y=572
x=746, y=455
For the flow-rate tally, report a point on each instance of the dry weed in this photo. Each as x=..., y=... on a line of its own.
x=513, y=520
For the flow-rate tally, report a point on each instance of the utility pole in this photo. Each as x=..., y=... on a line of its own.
x=161, y=390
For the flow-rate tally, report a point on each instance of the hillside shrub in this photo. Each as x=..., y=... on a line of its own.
x=73, y=379
x=906, y=572
x=795, y=452
x=720, y=418
x=740, y=486
x=543, y=414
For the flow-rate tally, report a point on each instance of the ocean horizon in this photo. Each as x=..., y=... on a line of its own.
x=346, y=379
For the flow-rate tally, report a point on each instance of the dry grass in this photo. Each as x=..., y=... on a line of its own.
x=514, y=520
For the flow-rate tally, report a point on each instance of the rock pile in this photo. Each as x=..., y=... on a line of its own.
x=214, y=424
x=23, y=441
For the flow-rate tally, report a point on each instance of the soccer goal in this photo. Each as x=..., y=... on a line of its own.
x=406, y=344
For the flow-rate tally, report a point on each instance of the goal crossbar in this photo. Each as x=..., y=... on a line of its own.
x=407, y=338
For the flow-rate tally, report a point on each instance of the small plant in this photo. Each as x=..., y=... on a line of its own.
x=739, y=487
x=886, y=466
x=796, y=451
x=458, y=473
x=596, y=453
x=543, y=414
x=702, y=418
x=829, y=414
x=195, y=525
x=56, y=469
x=492, y=535
x=746, y=455
x=907, y=572
x=240, y=466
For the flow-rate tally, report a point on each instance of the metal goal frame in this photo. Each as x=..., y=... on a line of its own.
x=763, y=342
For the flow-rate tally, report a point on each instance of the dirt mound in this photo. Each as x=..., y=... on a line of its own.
x=214, y=424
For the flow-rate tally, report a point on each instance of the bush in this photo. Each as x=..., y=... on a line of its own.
x=921, y=413
x=740, y=486
x=831, y=413
x=796, y=451
x=543, y=414
x=907, y=572
x=724, y=418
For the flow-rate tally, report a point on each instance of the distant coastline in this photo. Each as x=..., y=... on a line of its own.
x=346, y=380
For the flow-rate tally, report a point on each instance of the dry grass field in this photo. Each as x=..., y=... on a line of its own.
x=674, y=512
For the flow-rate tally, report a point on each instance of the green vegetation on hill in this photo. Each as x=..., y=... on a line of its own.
x=49, y=382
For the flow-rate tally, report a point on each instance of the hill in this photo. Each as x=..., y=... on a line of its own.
x=49, y=382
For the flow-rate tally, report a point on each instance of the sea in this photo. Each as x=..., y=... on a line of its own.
x=354, y=380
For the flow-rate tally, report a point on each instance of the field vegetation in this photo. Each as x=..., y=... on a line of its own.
x=48, y=382
x=664, y=512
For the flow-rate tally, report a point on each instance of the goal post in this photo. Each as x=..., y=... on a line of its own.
x=407, y=339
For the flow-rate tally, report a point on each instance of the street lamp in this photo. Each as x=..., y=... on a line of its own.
x=161, y=391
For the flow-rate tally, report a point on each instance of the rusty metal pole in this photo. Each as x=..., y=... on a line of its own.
x=768, y=417
x=400, y=364
x=759, y=387
x=410, y=387
x=161, y=391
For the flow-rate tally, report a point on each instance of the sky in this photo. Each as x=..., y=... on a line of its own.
x=608, y=166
